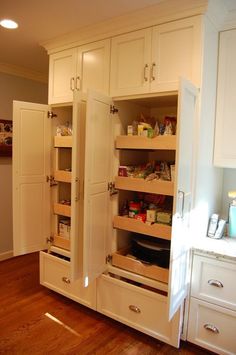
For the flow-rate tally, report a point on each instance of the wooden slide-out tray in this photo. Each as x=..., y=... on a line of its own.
x=62, y=175
x=62, y=210
x=63, y=141
x=136, y=142
x=120, y=259
x=61, y=242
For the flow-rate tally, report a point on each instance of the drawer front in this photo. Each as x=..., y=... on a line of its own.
x=214, y=281
x=139, y=308
x=212, y=327
x=55, y=274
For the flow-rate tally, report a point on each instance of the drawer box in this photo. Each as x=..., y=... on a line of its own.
x=152, y=271
x=212, y=281
x=212, y=327
x=55, y=274
x=137, y=307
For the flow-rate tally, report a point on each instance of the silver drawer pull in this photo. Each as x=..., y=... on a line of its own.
x=134, y=309
x=66, y=280
x=211, y=328
x=215, y=283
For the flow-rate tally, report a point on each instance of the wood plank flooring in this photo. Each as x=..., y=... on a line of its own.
x=35, y=320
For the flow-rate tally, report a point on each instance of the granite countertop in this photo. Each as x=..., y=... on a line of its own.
x=224, y=247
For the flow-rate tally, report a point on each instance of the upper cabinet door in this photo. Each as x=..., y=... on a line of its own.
x=31, y=166
x=184, y=192
x=93, y=67
x=130, y=63
x=225, y=153
x=176, y=53
x=62, y=76
x=97, y=175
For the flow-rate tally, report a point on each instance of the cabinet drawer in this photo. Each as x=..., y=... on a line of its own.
x=212, y=327
x=213, y=281
x=55, y=274
x=137, y=307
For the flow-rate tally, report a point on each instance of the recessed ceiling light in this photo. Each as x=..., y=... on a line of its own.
x=8, y=24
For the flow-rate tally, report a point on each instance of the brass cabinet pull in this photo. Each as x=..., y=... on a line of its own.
x=145, y=72
x=152, y=72
x=77, y=83
x=211, y=328
x=215, y=283
x=72, y=84
x=134, y=309
x=66, y=280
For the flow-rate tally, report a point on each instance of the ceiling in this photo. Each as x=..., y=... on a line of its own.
x=41, y=20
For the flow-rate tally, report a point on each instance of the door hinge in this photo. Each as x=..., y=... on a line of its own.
x=50, y=178
x=51, y=114
x=113, y=109
x=108, y=258
x=49, y=240
x=111, y=188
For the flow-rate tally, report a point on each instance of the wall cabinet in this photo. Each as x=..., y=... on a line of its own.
x=78, y=69
x=224, y=153
x=212, y=313
x=153, y=59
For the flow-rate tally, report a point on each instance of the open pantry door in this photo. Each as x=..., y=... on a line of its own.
x=31, y=167
x=184, y=190
x=98, y=149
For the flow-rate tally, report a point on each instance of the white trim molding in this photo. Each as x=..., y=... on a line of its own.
x=23, y=72
x=6, y=255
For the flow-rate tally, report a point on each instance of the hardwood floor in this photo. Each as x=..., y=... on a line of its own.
x=35, y=320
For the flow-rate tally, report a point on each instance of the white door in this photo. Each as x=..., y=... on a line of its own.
x=96, y=178
x=94, y=67
x=175, y=53
x=62, y=76
x=31, y=166
x=130, y=63
x=184, y=191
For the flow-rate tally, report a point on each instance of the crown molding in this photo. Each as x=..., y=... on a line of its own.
x=153, y=15
x=23, y=72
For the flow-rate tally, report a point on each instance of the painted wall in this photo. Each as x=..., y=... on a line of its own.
x=12, y=88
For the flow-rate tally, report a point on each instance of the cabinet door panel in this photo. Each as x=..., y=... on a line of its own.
x=31, y=165
x=175, y=53
x=224, y=154
x=62, y=72
x=130, y=54
x=96, y=195
x=184, y=188
x=94, y=67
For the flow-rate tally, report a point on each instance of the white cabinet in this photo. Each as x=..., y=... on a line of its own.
x=212, y=316
x=224, y=153
x=78, y=69
x=153, y=59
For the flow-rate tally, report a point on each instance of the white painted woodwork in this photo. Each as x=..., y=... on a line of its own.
x=175, y=54
x=55, y=274
x=224, y=152
x=184, y=167
x=130, y=63
x=31, y=166
x=204, y=315
x=97, y=174
x=170, y=51
x=93, y=67
x=212, y=281
x=62, y=73
x=151, y=316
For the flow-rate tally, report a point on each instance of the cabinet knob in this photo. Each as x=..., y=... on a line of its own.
x=66, y=280
x=215, y=283
x=211, y=328
x=134, y=308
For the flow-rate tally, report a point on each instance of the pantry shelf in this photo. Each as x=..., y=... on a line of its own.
x=61, y=242
x=141, y=185
x=63, y=141
x=120, y=259
x=138, y=142
x=133, y=225
x=62, y=210
x=62, y=176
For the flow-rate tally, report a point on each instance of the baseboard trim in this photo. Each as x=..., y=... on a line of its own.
x=6, y=255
